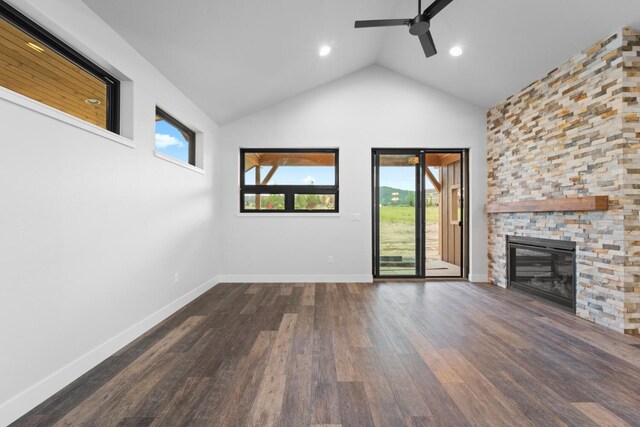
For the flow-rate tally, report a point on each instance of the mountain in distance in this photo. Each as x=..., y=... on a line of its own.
x=388, y=196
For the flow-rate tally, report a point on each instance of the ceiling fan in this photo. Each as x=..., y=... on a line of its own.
x=418, y=26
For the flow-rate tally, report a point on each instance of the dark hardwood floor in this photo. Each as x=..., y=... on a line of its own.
x=384, y=354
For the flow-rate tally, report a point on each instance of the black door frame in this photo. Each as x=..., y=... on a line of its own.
x=420, y=211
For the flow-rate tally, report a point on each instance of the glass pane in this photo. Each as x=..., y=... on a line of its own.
x=172, y=140
x=289, y=168
x=546, y=271
x=443, y=203
x=264, y=202
x=32, y=69
x=397, y=195
x=455, y=209
x=315, y=202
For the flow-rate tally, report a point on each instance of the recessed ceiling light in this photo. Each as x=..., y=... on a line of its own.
x=324, y=50
x=93, y=101
x=35, y=47
x=455, y=51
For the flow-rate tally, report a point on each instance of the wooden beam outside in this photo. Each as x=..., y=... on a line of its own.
x=267, y=178
x=440, y=226
x=251, y=160
x=297, y=159
x=408, y=160
x=258, y=180
x=433, y=180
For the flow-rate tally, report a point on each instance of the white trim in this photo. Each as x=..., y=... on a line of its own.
x=284, y=149
x=296, y=278
x=178, y=162
x=287, y=214
x=22, y=403
x=40, y=108
x=479, y=278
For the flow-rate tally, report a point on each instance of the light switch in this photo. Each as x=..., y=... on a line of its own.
x=355, y=217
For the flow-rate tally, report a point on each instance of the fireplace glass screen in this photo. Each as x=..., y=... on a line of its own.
x=543, y=271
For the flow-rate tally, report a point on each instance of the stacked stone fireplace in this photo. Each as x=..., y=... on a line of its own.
x=576, y=132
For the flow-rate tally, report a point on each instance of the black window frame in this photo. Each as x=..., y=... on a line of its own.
x=290, y=190
x=24, y=23
x=188, y=134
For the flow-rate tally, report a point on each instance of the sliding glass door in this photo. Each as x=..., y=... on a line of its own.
x=398, y=213
x=419, y=219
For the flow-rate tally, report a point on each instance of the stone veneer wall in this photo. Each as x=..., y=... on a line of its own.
x=576, y=132
x=631, y=132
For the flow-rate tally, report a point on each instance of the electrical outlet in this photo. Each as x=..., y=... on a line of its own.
x=330, y=260
x=176, y=278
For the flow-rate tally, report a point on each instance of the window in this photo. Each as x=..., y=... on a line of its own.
x=294, y=180
x=36, y=64
x=455, y=211
x=175, y=139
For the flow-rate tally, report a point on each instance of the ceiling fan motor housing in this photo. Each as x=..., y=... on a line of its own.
x=419, y=25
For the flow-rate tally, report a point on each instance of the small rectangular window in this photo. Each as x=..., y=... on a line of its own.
x=455, y=210
x=267, y=202
x=304, y=180
x=175, y=139
x=36, y=64
x=315, y=202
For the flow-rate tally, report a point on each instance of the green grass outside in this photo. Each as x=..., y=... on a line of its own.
x=397, y=229
x=406, y=214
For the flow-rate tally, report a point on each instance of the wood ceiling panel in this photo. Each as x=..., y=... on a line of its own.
x=289, y=159
x=36, y=89
x=441, y=159
x=399, y=160
x=48, y=77
x=297, y=159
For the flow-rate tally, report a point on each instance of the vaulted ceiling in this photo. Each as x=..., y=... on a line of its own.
x=234, y=57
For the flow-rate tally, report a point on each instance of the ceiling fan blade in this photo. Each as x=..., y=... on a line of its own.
x=428, y=45
x=435, y=8
x=382, y=23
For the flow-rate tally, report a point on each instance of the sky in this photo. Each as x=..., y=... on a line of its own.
x=170, y=141
x=403, y=177
x=295, y=175
x=392, y=176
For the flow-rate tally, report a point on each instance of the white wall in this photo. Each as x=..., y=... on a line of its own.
x=92, y=231
x=372, y=108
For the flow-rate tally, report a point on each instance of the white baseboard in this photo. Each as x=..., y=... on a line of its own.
x=22, y=403
x=293, y=278
x=479, y=278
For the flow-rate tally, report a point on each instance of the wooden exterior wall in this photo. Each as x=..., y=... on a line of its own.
x=450, y=234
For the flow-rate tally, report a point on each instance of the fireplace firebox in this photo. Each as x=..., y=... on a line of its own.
x=544, y=268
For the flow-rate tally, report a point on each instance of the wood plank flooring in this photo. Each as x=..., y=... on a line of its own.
x=383, y=354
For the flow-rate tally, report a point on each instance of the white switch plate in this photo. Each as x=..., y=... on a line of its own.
x=355, y=217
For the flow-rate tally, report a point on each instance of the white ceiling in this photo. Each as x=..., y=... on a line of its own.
x=234, y=57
